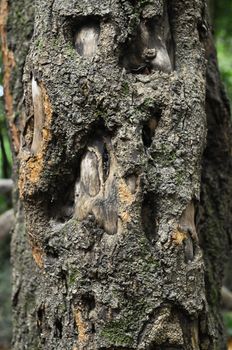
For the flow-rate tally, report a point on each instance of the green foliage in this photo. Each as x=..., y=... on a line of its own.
x=227, y=316
x=222, y=14
x=5, y=151
x=5, y=269
x=5, y=157
x=5, y=169
x=224, y=50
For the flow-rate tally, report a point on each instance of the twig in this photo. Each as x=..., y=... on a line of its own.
x=6, y=223
x=6, y=185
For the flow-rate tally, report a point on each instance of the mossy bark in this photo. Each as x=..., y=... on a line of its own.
x=108, y=166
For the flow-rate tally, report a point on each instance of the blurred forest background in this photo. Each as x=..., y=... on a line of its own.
x=221, y=16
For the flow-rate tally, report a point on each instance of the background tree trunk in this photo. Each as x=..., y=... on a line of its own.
x=108, y=143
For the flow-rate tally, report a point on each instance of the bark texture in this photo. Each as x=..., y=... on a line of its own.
x=112, y=132
x=214, y=215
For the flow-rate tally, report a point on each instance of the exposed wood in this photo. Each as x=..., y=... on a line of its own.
x=148, y=50
x=39, y=117
x=86, y=38
x=96, y=188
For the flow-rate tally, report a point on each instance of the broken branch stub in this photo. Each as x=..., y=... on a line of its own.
x=150, y=48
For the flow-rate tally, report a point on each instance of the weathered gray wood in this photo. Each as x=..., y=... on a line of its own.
x=38, y=110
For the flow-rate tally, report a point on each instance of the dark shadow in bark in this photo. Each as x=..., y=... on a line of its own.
x=170, y=42
x=63, y=205
x=106, y=162
x=63, y=276
x=63, y=208
x=148, y=216
x=58, y=328
x=203, y=26
x=88, y=301
x=40, y=318
x=149, y=127
x=51, y=252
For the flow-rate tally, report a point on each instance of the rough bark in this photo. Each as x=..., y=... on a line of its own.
x=112, y=132
x=214, y=219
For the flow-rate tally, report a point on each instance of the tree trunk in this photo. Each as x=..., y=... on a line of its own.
x=108, y=140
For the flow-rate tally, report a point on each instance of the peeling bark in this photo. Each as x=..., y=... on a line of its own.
x=108, y=253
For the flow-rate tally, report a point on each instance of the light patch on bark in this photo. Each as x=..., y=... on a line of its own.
x=31, y=166
x=100, y=191
x=90, y=174
x=160, y=59
x=195, y=335
x=185, y=233
x=125, y=216
x=187, y=220
x=86, y=40
x=96, y=191
x=38, y=256
x=178, y=236
x=131, y=182
x=82, y=327
x=38, y=116
x=125, y=193
x=166, y=329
